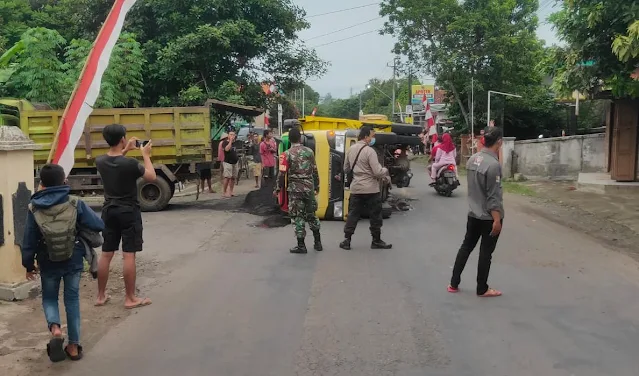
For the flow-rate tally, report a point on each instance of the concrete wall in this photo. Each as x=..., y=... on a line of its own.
x=561, y=158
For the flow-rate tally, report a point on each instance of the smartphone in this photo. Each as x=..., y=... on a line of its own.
x=139, y=143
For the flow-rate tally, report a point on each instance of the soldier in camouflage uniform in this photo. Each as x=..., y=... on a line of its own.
x=298, y=169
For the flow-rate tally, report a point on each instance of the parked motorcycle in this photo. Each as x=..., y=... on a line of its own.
x=446, y=181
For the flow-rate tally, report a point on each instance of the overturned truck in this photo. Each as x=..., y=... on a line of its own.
x=331, y=139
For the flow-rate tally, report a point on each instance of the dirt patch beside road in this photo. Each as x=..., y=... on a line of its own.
x=23, y=328
x=610, y=219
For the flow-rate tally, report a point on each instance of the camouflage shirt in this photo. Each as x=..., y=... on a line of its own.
x=298, y=163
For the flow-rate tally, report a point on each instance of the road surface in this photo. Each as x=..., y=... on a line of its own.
x=229, y=300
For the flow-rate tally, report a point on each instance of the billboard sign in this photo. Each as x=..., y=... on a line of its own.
x=418, y=92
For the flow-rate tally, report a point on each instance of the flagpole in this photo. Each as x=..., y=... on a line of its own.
x=56, y=139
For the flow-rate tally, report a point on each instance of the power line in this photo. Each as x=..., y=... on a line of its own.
x=346, y=28
x=343, y=39
x=342, y=10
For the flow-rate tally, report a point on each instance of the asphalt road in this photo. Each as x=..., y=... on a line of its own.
x=229, y=300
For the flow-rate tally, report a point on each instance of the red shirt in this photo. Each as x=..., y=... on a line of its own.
x=267, y=152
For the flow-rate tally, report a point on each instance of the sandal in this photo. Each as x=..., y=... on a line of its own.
x=142, y=303
x=55, y=349
x=490, y=293
x=74, y=357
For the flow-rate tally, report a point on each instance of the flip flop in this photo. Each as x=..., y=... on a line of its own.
x=452, y=290
x=55, y=349
x=76, y=357
x=106, y=300
x=491, y=293
x=143, y=303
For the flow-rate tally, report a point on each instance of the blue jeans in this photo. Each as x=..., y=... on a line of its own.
x=50, y=291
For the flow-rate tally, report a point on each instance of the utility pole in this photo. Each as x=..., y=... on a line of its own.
x=472, y=115
x=410, y=86
x=303, y=101
x=394, y=66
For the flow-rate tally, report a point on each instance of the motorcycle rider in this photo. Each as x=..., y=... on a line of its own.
x=445, y=154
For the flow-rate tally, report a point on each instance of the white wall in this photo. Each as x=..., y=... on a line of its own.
x=561, y=158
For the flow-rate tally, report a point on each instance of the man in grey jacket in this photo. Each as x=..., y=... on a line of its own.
x=486, y=213
x=365, y=188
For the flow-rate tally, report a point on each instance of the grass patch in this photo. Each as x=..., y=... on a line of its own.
x=517, y=188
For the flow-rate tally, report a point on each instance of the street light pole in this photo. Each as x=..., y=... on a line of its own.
x=500, y=93
x=394, y=74
x=472, y=115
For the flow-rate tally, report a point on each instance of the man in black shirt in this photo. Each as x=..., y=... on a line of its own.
x=121, y=211
x=231, y=168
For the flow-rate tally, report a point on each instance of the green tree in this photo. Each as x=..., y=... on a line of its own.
x=15, y=18
x=201, y=43
x=39, y=74
x=490, y=41
x=602, y=50
x=122, y=84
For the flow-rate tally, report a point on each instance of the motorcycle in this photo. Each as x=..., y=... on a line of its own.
x=446, y=181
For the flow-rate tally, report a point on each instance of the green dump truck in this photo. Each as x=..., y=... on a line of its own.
x=181, y=140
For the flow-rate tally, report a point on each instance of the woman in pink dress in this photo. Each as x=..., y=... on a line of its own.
x=446, y=155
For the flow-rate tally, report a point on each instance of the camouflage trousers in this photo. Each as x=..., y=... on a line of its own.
x=302, y=208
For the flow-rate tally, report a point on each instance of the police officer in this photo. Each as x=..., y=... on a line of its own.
x=298, y=173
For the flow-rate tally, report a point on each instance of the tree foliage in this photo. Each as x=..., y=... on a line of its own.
x=187, y=46
x=602, y=50
x=490, y=41
x=43, y=68
x=39, y=74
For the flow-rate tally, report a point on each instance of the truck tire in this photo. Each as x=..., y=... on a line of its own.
x=155, y=195
x=385, y=138
x=406, y=129
x=387, y=211
x=408, y=140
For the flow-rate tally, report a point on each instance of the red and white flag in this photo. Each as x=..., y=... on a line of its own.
x=430, y=120
x=87, y=89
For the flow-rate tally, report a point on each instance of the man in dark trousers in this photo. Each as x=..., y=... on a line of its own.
x=365, y=188
x=299, y=176
x=486, y=213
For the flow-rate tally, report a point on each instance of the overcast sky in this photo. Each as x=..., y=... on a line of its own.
x=354, y=61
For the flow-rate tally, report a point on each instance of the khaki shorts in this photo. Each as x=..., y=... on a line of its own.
x=231, y=170
x=257, y=170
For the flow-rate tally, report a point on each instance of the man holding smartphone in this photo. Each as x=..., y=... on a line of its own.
x=121, y=211
x=231, y=168
x=268, y=151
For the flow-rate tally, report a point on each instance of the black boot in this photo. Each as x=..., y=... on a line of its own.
x=346, y=244
x=318, y=241
x=378, y=243
x=301, y=247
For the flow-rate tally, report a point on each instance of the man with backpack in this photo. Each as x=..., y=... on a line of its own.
x=51, y=232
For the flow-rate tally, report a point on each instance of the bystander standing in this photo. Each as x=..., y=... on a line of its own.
x=121, y=211
x=486, y=213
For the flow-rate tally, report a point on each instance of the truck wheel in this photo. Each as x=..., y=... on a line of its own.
x=387, y=211
x=408, y=140
x=406, y=129
x=384, y=138
x=154, y=195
